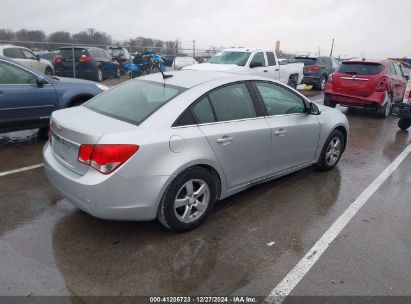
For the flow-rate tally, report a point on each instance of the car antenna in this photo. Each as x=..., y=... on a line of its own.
x=164, y=75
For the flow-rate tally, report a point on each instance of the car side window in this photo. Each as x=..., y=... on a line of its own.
x=29, y=55
x=15, y=53
x=259, y=57
x=11, y=74
x=232, y=102
x=271, y=59
x=279, y=100
x=203, y=111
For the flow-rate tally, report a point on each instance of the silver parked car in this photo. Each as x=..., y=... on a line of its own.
x=170, y=148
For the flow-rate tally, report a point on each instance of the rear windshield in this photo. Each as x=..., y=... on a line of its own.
x=306, y=61
x=134, y=100
x=68, y=53
x=356, y=68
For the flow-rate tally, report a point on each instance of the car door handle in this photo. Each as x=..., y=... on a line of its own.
x=225, y=139
x=276, y=69
x=280, y=132
x=265, y=71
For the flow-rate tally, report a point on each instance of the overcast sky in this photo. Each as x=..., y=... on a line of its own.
x=370, y=28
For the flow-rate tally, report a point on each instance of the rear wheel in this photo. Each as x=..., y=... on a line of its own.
x=331, y=152
x=188, y=200
x=99, y=75
x=404, y=123
x=118, y=73
x=385, y=110
x=292, y=83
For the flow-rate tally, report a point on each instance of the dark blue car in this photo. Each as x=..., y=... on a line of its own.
x=27, y=98
x=90, y=63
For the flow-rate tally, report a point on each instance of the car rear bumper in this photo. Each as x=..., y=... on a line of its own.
x=376, y=99
x=311, y=80
x=111, y=196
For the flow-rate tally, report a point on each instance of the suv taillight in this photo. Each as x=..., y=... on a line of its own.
x=313, y=68
x=105, y=158
x=381, y=85
x=330, y=78
x=57, y=58
x=84, y=58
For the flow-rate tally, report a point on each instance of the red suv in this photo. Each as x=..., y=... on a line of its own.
x=366, y=84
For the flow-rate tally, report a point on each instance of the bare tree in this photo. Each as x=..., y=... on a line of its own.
x=7, y=34
x=91, y=36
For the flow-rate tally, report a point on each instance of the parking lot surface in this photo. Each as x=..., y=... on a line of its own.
x=249, y=244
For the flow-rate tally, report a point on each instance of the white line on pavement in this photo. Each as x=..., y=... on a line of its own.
x=20, y=170
x=285, y=287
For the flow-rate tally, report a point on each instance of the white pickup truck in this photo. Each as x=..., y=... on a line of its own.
x=253, y=61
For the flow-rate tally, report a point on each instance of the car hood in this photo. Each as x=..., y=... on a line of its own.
x=66, y=80
x=215, y=67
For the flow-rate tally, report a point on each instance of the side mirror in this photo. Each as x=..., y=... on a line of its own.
x=38, y=57
x=314, y=109
x=41, y=81
x=255, y=64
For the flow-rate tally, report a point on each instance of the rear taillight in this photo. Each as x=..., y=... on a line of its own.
x=313, y=68
x=381, y=85
x=330, y=78
x=105, y=158
x=84, y=58
x=57, y=58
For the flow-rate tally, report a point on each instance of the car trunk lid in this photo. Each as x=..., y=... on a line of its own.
x=70, y=128
x=357, y=78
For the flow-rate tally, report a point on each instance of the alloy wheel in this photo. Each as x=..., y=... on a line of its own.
x=333, y=151
x=192, y=200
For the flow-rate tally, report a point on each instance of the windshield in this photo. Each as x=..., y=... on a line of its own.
x=238, y=58
x=134, y=101
x=355, y=68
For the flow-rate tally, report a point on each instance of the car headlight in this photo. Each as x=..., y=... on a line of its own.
x=102, y=87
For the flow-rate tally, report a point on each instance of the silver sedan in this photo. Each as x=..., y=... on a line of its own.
x=169, y=148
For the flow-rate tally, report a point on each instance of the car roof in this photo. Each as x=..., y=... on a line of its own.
x=381, y=61
x=8, y=59
x=190, y=78
x=4, y=46
x=246, y=50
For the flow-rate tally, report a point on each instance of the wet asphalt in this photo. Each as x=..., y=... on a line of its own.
x=49, y=247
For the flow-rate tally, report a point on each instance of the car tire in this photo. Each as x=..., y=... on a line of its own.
x=292, y=83
x=48, y=71
x=328, y=102
x=385, y=110
x=404, y=123
x=118, y=73
x=99, y=75
x=331, y=151
x=179, y=208
x=323, y=82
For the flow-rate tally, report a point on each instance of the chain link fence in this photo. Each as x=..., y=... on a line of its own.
x=48, y=50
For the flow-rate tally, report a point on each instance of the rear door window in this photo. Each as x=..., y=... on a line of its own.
x=29, y=55
x=134, y=100
x=363, y=68
x=203, y=111
x=232, y=102
x=14, y=53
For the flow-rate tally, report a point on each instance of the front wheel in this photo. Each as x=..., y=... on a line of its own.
x=49, y=71
x=118, y=73
x=188, y=200
x=404, y=123
x=323, y=82
x=331, y=152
